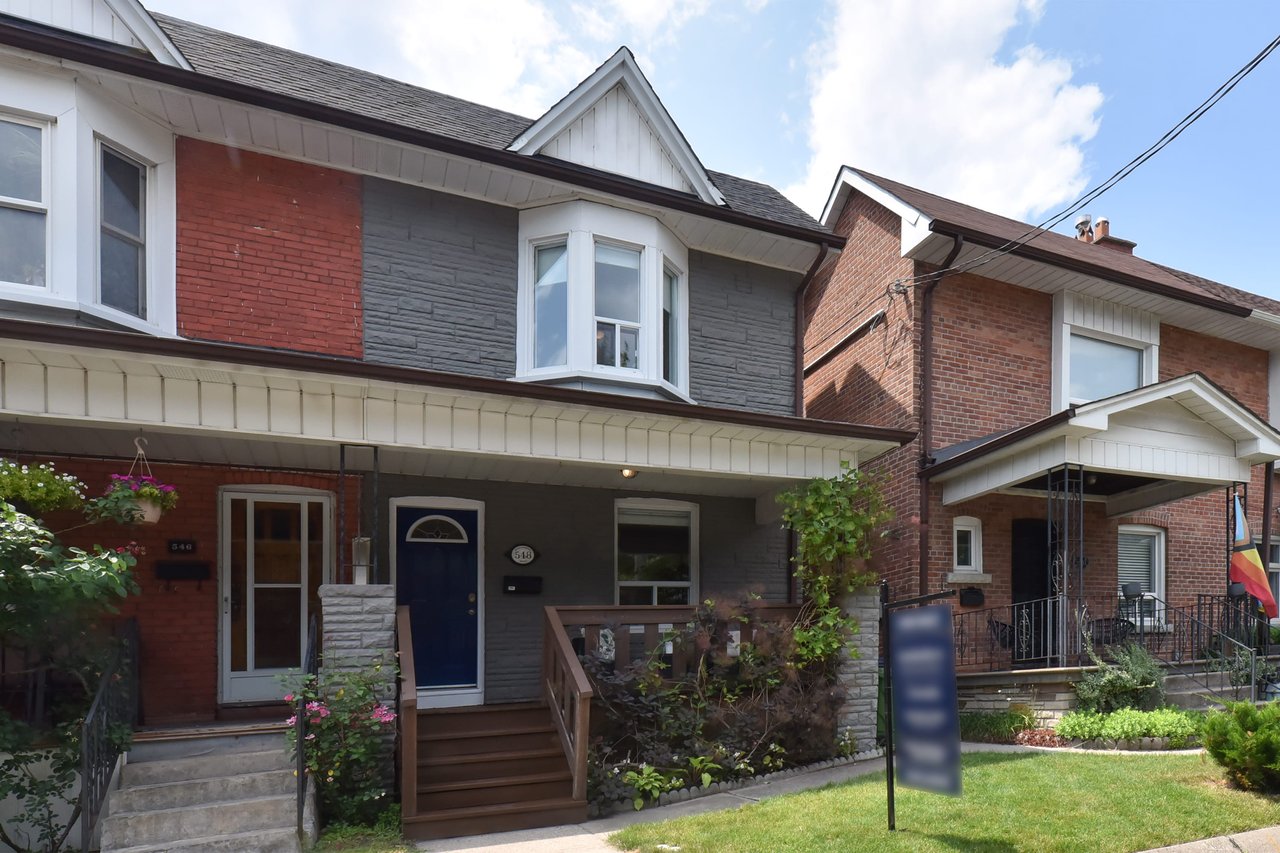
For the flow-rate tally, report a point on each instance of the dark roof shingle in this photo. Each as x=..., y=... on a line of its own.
x=948, y=213
x=285, y=72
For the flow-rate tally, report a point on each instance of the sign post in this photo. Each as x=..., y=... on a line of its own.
x=922, y=723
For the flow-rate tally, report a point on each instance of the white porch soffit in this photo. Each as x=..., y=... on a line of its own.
x=79, y=386
x=1182, y=436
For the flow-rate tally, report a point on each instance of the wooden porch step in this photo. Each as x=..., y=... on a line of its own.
x=497, y=790
x=473, y=820
x=454, y=768
x=512, y=738
x=482, y=717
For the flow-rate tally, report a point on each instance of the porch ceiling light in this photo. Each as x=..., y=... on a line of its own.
x=629, y=473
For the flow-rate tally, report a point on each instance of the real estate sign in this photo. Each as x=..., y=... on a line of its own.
x=926, y=723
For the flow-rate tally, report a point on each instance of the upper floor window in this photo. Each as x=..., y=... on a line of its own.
x=122, y=268
x=24, y=202
x=603, y=298
x=1101, y=349
x=1099, y=368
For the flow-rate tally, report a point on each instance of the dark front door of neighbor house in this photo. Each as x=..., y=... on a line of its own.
x=1033, y=616
x=438, y=577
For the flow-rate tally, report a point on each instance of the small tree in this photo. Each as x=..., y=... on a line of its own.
x=53, y=595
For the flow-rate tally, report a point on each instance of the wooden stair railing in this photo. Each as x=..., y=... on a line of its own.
x=568, y=694
x=408, y=717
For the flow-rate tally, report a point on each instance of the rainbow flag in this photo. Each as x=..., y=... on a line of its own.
x=1246, y=564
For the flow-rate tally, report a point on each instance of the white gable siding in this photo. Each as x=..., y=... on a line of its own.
x=93, y=18
x=614, y=136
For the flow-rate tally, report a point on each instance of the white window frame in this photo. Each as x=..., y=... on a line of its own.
x=45, y=126
x=972, y=526
x=146, y=169
x=660, y=505
x=1160, y=559
x=1273, y=575
x=581, y=225
x=1076, y=314
x=80, y=119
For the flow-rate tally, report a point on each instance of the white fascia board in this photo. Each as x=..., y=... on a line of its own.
x=1195, y=384
x=620, y=68
x=147, y=31
x=915, y=225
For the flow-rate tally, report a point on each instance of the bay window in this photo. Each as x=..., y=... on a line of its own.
x=603, y=300
x=87, y=206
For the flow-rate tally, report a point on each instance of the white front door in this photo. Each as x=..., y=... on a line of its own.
x=275, y=554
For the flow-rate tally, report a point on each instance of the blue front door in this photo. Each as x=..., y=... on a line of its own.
x=437, y=576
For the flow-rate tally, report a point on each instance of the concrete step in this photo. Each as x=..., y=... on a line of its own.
x=133, y=829
x=194, y=792
x=160, y=746
x=205, y=766
x=258, y=841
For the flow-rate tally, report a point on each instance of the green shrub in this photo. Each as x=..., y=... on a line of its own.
x=1134, y=680
x=1080, y=725
x=1245, y=740
x=996, y=726
x=1130, y=724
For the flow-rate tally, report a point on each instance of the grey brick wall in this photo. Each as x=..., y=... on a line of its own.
x=572, y=531
x=741, y=334
x=439, y=281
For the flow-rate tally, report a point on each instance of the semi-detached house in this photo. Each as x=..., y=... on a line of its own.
x=536, y=362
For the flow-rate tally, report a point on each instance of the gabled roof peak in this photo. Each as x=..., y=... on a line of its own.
x=615, y=121
x=123, y=22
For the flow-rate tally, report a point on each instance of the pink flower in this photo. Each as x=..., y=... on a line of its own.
x=288, y=697
x=292, y=721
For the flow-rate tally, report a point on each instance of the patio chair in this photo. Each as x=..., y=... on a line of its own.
x=1001, y=633
x=1110, y=631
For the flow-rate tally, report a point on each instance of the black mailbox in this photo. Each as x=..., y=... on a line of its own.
x=522, y=585
x=971, y=596
x=183, y=570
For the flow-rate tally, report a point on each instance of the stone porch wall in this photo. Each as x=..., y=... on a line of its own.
x=858, y=670
x=1049, y=693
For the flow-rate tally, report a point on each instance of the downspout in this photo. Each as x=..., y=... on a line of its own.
x=926, y=405
x=801, y=292
x=798, y=403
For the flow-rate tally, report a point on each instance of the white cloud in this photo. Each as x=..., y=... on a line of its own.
x=914, y=90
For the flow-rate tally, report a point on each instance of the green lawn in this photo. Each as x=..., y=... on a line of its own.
x=1012, y=801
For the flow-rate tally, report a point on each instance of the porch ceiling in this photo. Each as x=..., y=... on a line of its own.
x=1140, y=449
x=68, y=399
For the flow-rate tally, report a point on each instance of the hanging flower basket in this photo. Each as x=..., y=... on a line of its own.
x=139, y=499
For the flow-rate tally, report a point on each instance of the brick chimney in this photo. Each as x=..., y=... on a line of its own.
x=1102, y=237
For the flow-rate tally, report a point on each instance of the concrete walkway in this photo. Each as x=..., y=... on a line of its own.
x=590, y=837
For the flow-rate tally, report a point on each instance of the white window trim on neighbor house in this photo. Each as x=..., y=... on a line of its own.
x=1157, y=569
x=78, y=123
x=967, y=525
x=1077, y=315
x=580, y=226
x=621, y=505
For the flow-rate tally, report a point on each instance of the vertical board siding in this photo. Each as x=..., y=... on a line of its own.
x=1110, y=318
x=92, y=18
x=616, y=137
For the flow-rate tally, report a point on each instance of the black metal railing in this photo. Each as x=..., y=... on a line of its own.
x=1237, y=617
x=310, y=668
x=1065, y=631
x=107, y=728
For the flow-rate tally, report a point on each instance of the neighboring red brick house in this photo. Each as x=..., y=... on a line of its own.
x=1047, y=379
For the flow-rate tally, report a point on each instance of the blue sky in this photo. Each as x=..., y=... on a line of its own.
x=1018, y=106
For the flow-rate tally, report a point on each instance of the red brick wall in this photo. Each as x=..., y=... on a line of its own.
x=992, y=358
x=873, y=380
x=1240, y=370
x=269, y=251
x=178, y=620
